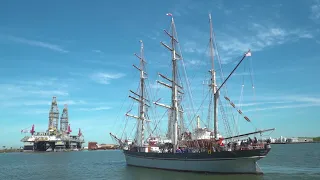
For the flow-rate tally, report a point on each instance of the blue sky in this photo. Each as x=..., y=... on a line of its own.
x=82, y=52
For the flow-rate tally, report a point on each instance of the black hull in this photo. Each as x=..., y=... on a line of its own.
x=225, y=162
x=202, y=155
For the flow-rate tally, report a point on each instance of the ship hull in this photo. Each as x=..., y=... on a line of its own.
x=228, y=163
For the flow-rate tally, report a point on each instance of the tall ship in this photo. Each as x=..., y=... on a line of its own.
x=190, y=149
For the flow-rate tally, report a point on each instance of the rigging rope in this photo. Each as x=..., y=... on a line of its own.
x=156, y=120
x=222, y=80
x=195, y=115
x=151, y=99
x=225, y=120
x=189, y=92
x=134, y=126
x=189, y=113
x=241, y=99
x=138, y=121
x=209, y=111
x=126, y=122
x=240, y=106
x=253, y=87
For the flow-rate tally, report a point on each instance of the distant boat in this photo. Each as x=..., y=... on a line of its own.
x=204, y=150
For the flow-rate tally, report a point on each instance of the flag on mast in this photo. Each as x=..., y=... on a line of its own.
x=248, y=53
x=169, y=14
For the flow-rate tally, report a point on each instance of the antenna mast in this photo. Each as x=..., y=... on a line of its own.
x=173, y=129
x=213, y=83
x=140, y=98
x=142, y=110
x=174, y=100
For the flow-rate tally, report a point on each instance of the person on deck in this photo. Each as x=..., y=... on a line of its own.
x=249, y=141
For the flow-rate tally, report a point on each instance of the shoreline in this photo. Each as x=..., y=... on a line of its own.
x=297, y=142
x=10, y=150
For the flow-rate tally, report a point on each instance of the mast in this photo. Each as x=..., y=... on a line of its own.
x=142, y=110
x=174, y=100
x=141, y=97
x=215, y=89
x=174, y=86
x=213, y=83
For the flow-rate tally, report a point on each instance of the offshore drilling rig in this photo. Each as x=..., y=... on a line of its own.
x=53, y=139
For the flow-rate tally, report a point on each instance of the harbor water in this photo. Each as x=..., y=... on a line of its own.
x=285, y=161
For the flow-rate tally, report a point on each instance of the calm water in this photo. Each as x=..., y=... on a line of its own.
x=296, y=161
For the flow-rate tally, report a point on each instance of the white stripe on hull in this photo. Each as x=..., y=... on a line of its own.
x=238, y=165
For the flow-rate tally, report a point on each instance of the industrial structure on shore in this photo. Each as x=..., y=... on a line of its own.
x=53, y=139
x=284, y=140
x=96, y=146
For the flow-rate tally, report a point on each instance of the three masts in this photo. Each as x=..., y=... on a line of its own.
x=176, y=128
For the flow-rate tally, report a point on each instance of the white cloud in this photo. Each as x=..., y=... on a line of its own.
x=43, y=107
x=315, y=10
x=153, y=35
x=18, y=103
x=40, y=82
x=306, y=99
x=231, y=45
x=155, y=85
x=36, y=111
x=49, y=93
x=37, y=92
x=37, y=43
x=193, y=47
x=8, y=91
x=182, y=7
x=95, y=108
x=176, y=13
x=227, y=12
x=97, y=51
x=262, y=103
x=104, y=78
x=290, y=101
x=31, y=103
x=284, y=107
x=37, y=102
x=72, y=102
x=194, y=62
x=306, y=35
x=265, y=36
x=48, y=102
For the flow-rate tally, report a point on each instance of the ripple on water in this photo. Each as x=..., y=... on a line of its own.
x=284, y=162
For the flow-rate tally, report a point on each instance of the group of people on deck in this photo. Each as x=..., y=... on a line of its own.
x=183, y=150
x=220, y=146
x=217, y=146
